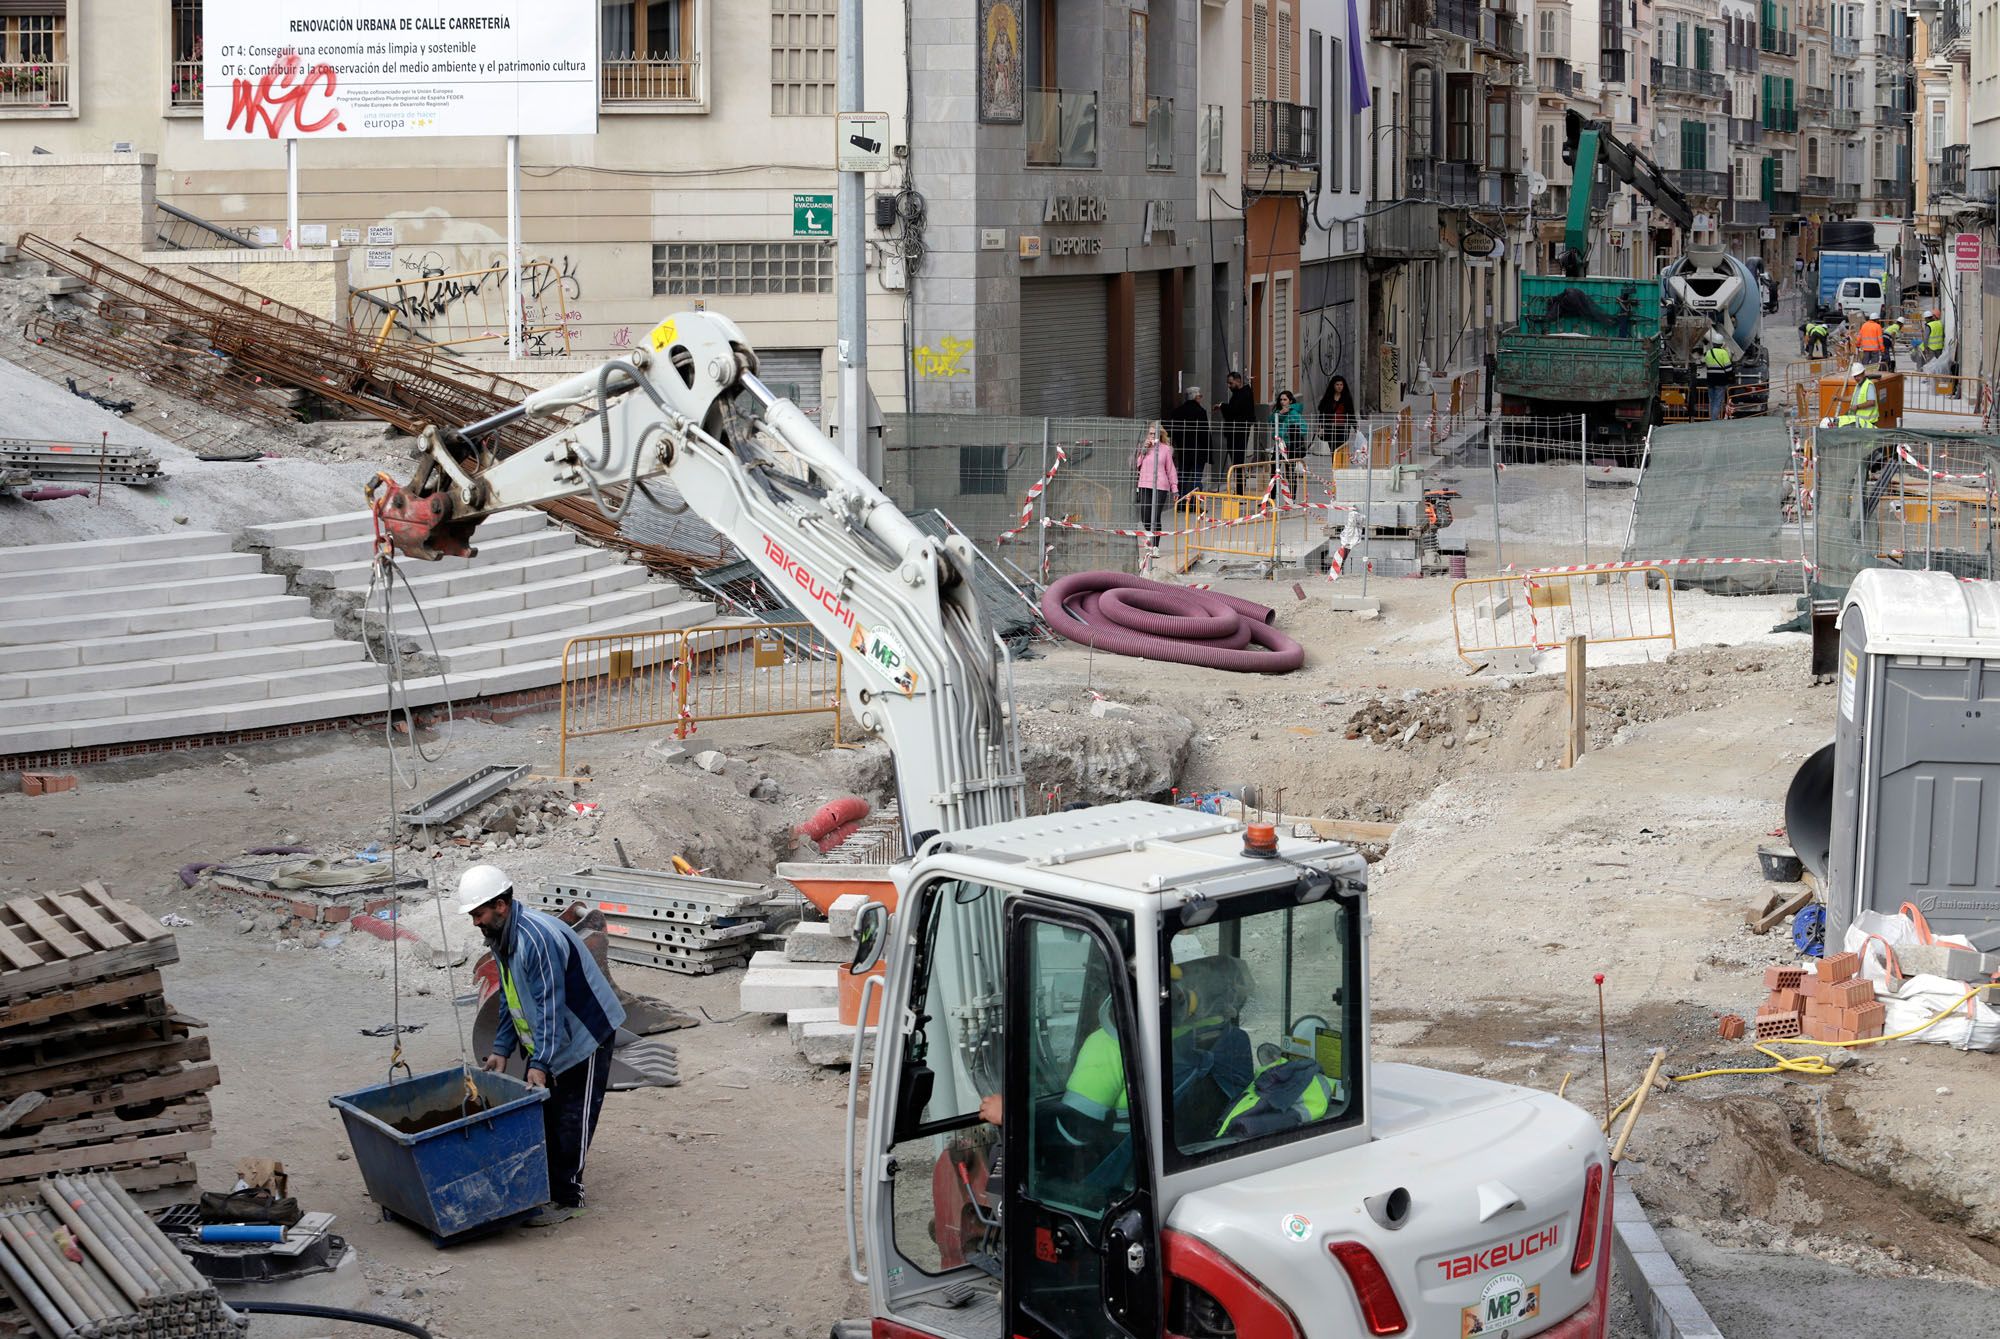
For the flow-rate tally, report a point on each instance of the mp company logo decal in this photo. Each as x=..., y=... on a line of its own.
x=1505, y=1301
x=1296, y=1227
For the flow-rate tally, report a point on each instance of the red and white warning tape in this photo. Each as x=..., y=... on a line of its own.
x=1908, y=457
x=1035, y=492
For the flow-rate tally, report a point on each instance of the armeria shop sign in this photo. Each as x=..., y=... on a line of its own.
x=1075, y=207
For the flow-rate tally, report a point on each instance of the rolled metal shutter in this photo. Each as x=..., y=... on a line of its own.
x=794, y=374
x=1065, y=368
x=1146, y=345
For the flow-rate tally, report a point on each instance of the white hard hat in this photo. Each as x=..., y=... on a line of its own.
x=1856, y=370
x=481, y=884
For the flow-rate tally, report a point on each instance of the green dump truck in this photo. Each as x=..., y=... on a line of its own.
x=1588, y=346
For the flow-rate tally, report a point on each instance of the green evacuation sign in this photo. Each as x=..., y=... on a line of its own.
x=812, y=215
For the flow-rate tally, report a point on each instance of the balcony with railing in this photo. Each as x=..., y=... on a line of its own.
x=1951, y=32
x=1739, y=56
x=1816, y=99
x=34, y=84
x=1554, y=79
x=1283, y=134
x=1949, y=178
x=1892, y=188
x=1774, y=43
x=1843, y=118
x=1846, y=192
x=1846, y=48
x=1062, y=127
x=1745, y=130
x=1699, y=181
x=1502, y=34
x=1982, y=184
x=1403, y=231
x=1782, y=202
x=1781, y=120
x=1613, y=64
x=628, y=78
x=1503, y=190
x=1749, y=213
x=1399, y=22
x=1458, y=17
x=1687, y=80
x=1456, y=183
x=1817, y=188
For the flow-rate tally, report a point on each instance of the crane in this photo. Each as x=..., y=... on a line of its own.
x=1585, y=143
x=1165, y=1010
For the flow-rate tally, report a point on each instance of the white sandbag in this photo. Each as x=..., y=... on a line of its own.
x=1974, y=1026
x=1873, y=933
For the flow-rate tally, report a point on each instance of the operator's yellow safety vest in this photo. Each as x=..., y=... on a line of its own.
x=1895, y=330
x=1096, y=1086
x=1816, y=331
x=1934, y=336
x=514, y=1009
x=1867, y=408
x=1717, y=357
x=1311, y=1103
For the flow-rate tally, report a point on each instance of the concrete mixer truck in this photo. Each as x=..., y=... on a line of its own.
x=1601, y=346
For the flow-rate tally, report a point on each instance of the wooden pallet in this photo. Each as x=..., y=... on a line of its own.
x=111, y=1065
x=57, y=1002
x=178, y=1082
x=108, y=1155
x=188, y=1113
x=52, y=941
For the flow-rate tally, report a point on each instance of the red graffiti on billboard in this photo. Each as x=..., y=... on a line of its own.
x=285, y=92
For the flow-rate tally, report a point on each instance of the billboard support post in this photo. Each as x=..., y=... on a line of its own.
x=514, y=246
x=292, y=194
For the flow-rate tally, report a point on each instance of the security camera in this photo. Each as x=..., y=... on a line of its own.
x=866, y=145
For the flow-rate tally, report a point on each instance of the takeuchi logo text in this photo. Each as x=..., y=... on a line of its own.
x=1506, y=1253
x=815, y=590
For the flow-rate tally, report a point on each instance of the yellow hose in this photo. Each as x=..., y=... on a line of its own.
x=1817, y=1064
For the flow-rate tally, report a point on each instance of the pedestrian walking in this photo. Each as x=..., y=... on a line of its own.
x=1239, y=416
x=1337, y=413
x=1159, y=484
x=1187, y=425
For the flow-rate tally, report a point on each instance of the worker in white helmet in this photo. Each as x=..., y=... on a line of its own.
x=565, y=1017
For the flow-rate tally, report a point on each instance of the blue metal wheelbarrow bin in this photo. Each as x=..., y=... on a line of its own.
x=453, y=1172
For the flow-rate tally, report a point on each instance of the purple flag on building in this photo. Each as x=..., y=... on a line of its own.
x=1357, y=65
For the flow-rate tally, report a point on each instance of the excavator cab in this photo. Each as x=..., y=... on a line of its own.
x=1140, y=1039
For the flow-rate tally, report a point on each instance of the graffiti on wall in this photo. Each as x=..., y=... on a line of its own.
x=456, y=301
x=946, y=360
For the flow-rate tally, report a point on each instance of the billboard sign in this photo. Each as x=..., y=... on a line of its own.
x=372, y=69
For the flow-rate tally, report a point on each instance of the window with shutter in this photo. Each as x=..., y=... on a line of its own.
x=1287, y=67
x=1260, y=80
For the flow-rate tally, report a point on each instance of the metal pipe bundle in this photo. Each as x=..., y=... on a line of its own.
x=85, y=1262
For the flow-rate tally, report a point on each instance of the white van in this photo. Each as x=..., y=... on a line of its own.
x=1860, y=299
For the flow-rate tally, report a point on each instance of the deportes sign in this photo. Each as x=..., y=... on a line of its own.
x=358, y=69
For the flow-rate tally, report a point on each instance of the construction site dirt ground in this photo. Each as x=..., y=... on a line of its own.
x=716, y=1205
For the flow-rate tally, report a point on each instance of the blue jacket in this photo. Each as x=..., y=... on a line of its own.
x=568, y=1006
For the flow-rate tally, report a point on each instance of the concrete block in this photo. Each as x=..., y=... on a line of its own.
x=315, y=530
x=824, y=1043
x=815, y=941
x=840, y=916
x=1353, y=604
x=57, y=284
x=97, y=553
x=797, y=1019
x=271, y=632
x=34, y=738
x=148, y=725
x=782, y=987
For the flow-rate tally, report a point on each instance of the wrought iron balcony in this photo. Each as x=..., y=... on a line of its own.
x=1951, y=31
x=1739, y=56
x=1399, y=22
x=1982, y=184
x=1749, y=213
x=1699, y=181
x=1816, y=99
x=1458, y=17
x=1846, y=192
x=1284, y=133
x=1782, y=202
x=1778, y=43
x=1403, y=231
x=1892, y=188
x=1846, y=48
x=1781, y=120
x=1843, y=118
x=1949, y=178
x=1685, y=79
x=628, y=77
x=1502, y=33
x=35, y=83
x=1458, y=183
x=184, y=92
x=1613, y=64
x=1504, y=190
x=1744, y=130
x=1554, y=78
x=1820, y=188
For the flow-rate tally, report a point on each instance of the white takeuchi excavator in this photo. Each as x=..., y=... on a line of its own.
x=1123, y=1083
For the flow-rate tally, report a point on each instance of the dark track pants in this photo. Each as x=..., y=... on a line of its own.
x=569, y=1119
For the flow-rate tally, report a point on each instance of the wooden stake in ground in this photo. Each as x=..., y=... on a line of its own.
x=1638, y=1102
x=1575, y=740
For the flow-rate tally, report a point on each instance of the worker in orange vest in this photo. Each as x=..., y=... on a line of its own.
x=1869, y=341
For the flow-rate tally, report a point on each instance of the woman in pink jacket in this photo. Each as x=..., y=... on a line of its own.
x=1159, y=483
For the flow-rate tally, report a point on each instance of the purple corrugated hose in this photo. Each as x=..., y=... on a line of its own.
x=1150, y=619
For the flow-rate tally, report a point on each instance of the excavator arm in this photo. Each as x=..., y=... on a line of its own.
x=922, y=663
x=1586, y=143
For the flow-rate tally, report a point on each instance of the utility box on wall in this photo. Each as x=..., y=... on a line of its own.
x=1915, y=793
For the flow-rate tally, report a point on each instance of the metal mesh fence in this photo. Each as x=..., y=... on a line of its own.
x=1726, y=492
x=1902, y=498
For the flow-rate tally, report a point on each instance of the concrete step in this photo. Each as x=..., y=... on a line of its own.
x=312, y=530
x=629, y=599
x=171, y=618
x=503, y=551
x=109, y=599
x=548, y=646
x=190, y=567
x=97, y=552
x=532, y=596
x=360, y=547
x=177, y=667
x=771, y=985
x=182, y=723
x=234, y=690
x=191, y=642
x=434, y=591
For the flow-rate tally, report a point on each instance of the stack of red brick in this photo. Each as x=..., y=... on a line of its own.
x=1834, y=1005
